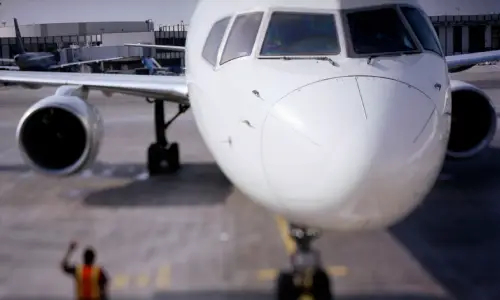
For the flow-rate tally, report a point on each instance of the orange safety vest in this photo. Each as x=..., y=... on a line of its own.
x=87, y=282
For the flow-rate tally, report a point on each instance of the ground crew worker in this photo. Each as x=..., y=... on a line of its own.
x=90, y=280
x=148, y=63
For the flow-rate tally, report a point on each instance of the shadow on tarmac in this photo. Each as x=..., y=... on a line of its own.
x=194, y=184
x=455, y=233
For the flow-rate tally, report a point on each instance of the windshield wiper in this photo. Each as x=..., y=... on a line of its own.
x=323, y=58
x=371, y=57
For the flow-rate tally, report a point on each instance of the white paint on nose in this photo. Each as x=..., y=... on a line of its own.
x=344, y=151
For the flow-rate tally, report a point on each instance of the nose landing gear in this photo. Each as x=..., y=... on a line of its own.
x=306, y=280
x=163, y=156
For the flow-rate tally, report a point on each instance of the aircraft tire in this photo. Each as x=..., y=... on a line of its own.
x=172, y=157
x=287, y=290
x=156, y=155
x=321, y=286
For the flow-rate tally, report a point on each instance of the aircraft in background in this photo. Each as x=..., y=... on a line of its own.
x=316, y=110
x=40, y=61
x=158, y=69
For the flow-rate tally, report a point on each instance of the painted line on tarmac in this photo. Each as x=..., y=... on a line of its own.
x=288, y=242
x=143, y=280
x=163, y=279
x=271, y=274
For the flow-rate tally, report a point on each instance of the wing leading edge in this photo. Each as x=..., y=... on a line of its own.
x=85, y=62
x=162, y=47
x=169, y=88
x=463, y=61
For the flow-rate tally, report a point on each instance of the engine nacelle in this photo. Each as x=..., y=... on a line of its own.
x=474, y=121
x=61, y=134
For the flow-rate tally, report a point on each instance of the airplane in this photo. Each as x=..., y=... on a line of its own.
x=40, y=61
x=159, y=70
x=315, y=110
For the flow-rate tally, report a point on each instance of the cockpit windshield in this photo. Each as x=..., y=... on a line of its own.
x=294, y=33
x=378, y=31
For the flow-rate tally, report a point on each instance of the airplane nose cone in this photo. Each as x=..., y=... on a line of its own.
x=344, y=153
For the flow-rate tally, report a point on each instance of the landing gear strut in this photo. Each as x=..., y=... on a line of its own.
x=163, y=156
x=306, y=280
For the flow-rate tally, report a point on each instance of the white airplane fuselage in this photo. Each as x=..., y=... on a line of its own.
x=355, y=145
x=334, y=114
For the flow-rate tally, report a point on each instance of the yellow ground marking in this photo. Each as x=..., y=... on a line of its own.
x=289, y=243
x=119, y=281
x=337, y=271
x=142, y=281
x=267, y=274
x=163, y=278
x=271, y=274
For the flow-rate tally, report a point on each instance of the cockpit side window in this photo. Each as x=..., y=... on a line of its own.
x=378, y=31
x=242, y=36
x=214, y=40
x=422, y=28
x=300, y=33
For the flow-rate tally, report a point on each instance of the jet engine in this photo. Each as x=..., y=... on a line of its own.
x=60, y=135
x=474, y=121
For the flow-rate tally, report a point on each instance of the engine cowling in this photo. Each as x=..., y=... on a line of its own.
x=474, y=121
x=61, y=134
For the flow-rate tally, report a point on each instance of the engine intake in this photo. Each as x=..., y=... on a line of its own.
x=474, y=121
x=61, y=134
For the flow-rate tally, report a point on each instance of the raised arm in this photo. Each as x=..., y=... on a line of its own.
x=65, y=266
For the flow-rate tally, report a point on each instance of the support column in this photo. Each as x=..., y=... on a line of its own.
x=465, y=39
x=442, y=37
x=487, y=37
x=449, y=40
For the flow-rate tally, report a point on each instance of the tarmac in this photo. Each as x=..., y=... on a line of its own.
x=193, y=236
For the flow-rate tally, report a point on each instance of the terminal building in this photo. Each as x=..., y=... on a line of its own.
x=83, y=37
x=463, y=26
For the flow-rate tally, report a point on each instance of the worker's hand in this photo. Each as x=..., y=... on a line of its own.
x=72, y=246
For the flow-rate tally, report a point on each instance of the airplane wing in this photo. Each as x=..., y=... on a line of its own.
x=84, y=62
x=169, y=88
x=163, y=47
x=464, y=61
